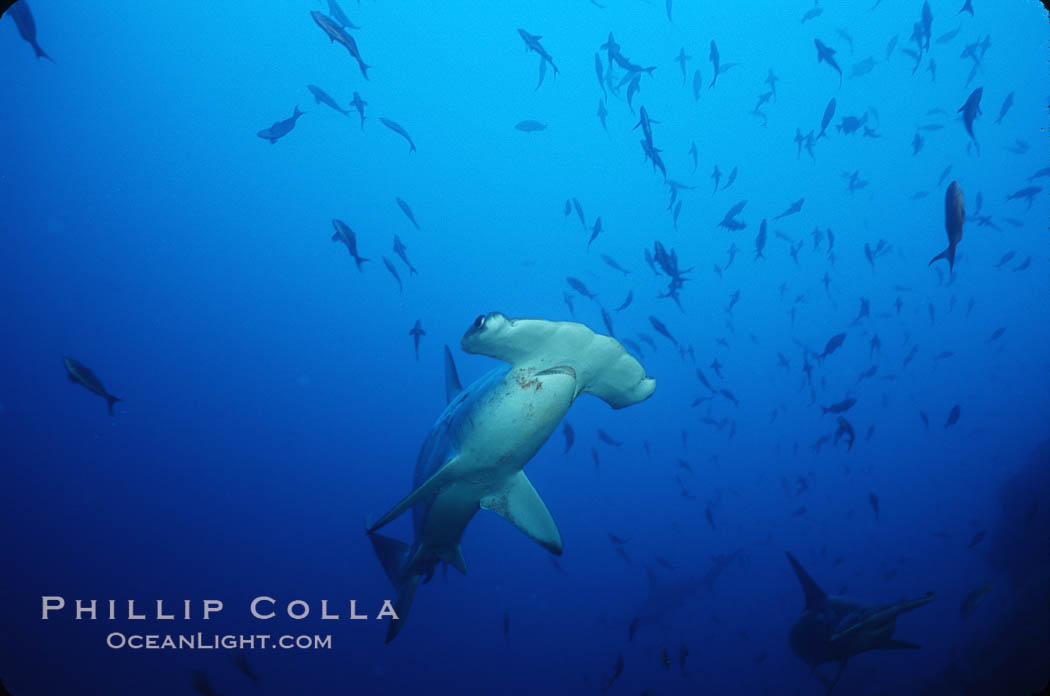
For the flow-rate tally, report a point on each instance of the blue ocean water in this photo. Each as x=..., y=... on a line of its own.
x=272, y=399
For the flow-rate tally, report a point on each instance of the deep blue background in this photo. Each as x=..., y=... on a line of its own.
x=271, y=398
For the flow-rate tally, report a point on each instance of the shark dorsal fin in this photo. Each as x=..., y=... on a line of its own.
x=452, y=385
x=814, y=595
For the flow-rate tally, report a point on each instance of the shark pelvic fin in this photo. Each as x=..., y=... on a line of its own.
x=429, y=488
x=454, y=557
x=814, y=595
x=452, y=384
x=522, y=506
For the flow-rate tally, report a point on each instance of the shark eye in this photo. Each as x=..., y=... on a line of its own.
x=479, y=322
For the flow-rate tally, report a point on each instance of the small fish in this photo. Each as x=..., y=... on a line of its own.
x=996, y=334
x=78, y=374
x=393, y=271
x=863, y=67
x=665, y=660
x=532, y=43
x=344, y=234
x=336, y=13
x=977, y=539
x=760, y=240
x=874, y=501
x=570, y=436
x=240, y=661
x=568, y=301
x=397, y=128
x=632, y=628
x=831, y=346
x=530, y=126
x=407, y=211
x=600, y=72
x=280, y=128
x=1028, y=193
x=1007, y=103
x=596, y=229
x=201, y=684
x=698, y=82
x=970, y=110
x=681, y=59
x=813, y=13
x=607, y=320
x=26, y=26
x=953, y=416
x=840, y=407
x=892, y=44
x=731, y=179
x=715, y=60
x=611, y=263
x=322, y=97
x=662, y=329
x=626, y=302
x=580, y=288
x=358, y=103
x=972, y=601
x=338, y=35
x=417, y=332
x=792, y=209
x=827, y=55
x=954, y=217
x=829, y=113
x=401, y=250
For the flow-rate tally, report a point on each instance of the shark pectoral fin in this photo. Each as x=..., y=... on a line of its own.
x=452, y=384
x=522, y=506
x=392, y=555
x=429, y=488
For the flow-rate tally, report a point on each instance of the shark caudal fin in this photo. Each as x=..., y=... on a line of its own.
x=949, y=254
x=814, y=595
x=110, y=400
x=452, y=384
x=521, y=505
x=393, y=555
x=602, y=366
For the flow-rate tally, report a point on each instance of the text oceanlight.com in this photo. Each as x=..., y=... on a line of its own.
x=201, y=641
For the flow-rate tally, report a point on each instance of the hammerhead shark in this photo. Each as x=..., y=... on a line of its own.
x=667, y=597
x=474, y=456
x=834, y=629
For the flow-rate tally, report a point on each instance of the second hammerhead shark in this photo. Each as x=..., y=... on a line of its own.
x=834, y=629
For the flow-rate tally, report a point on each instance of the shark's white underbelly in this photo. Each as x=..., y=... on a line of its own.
x=498, y=430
